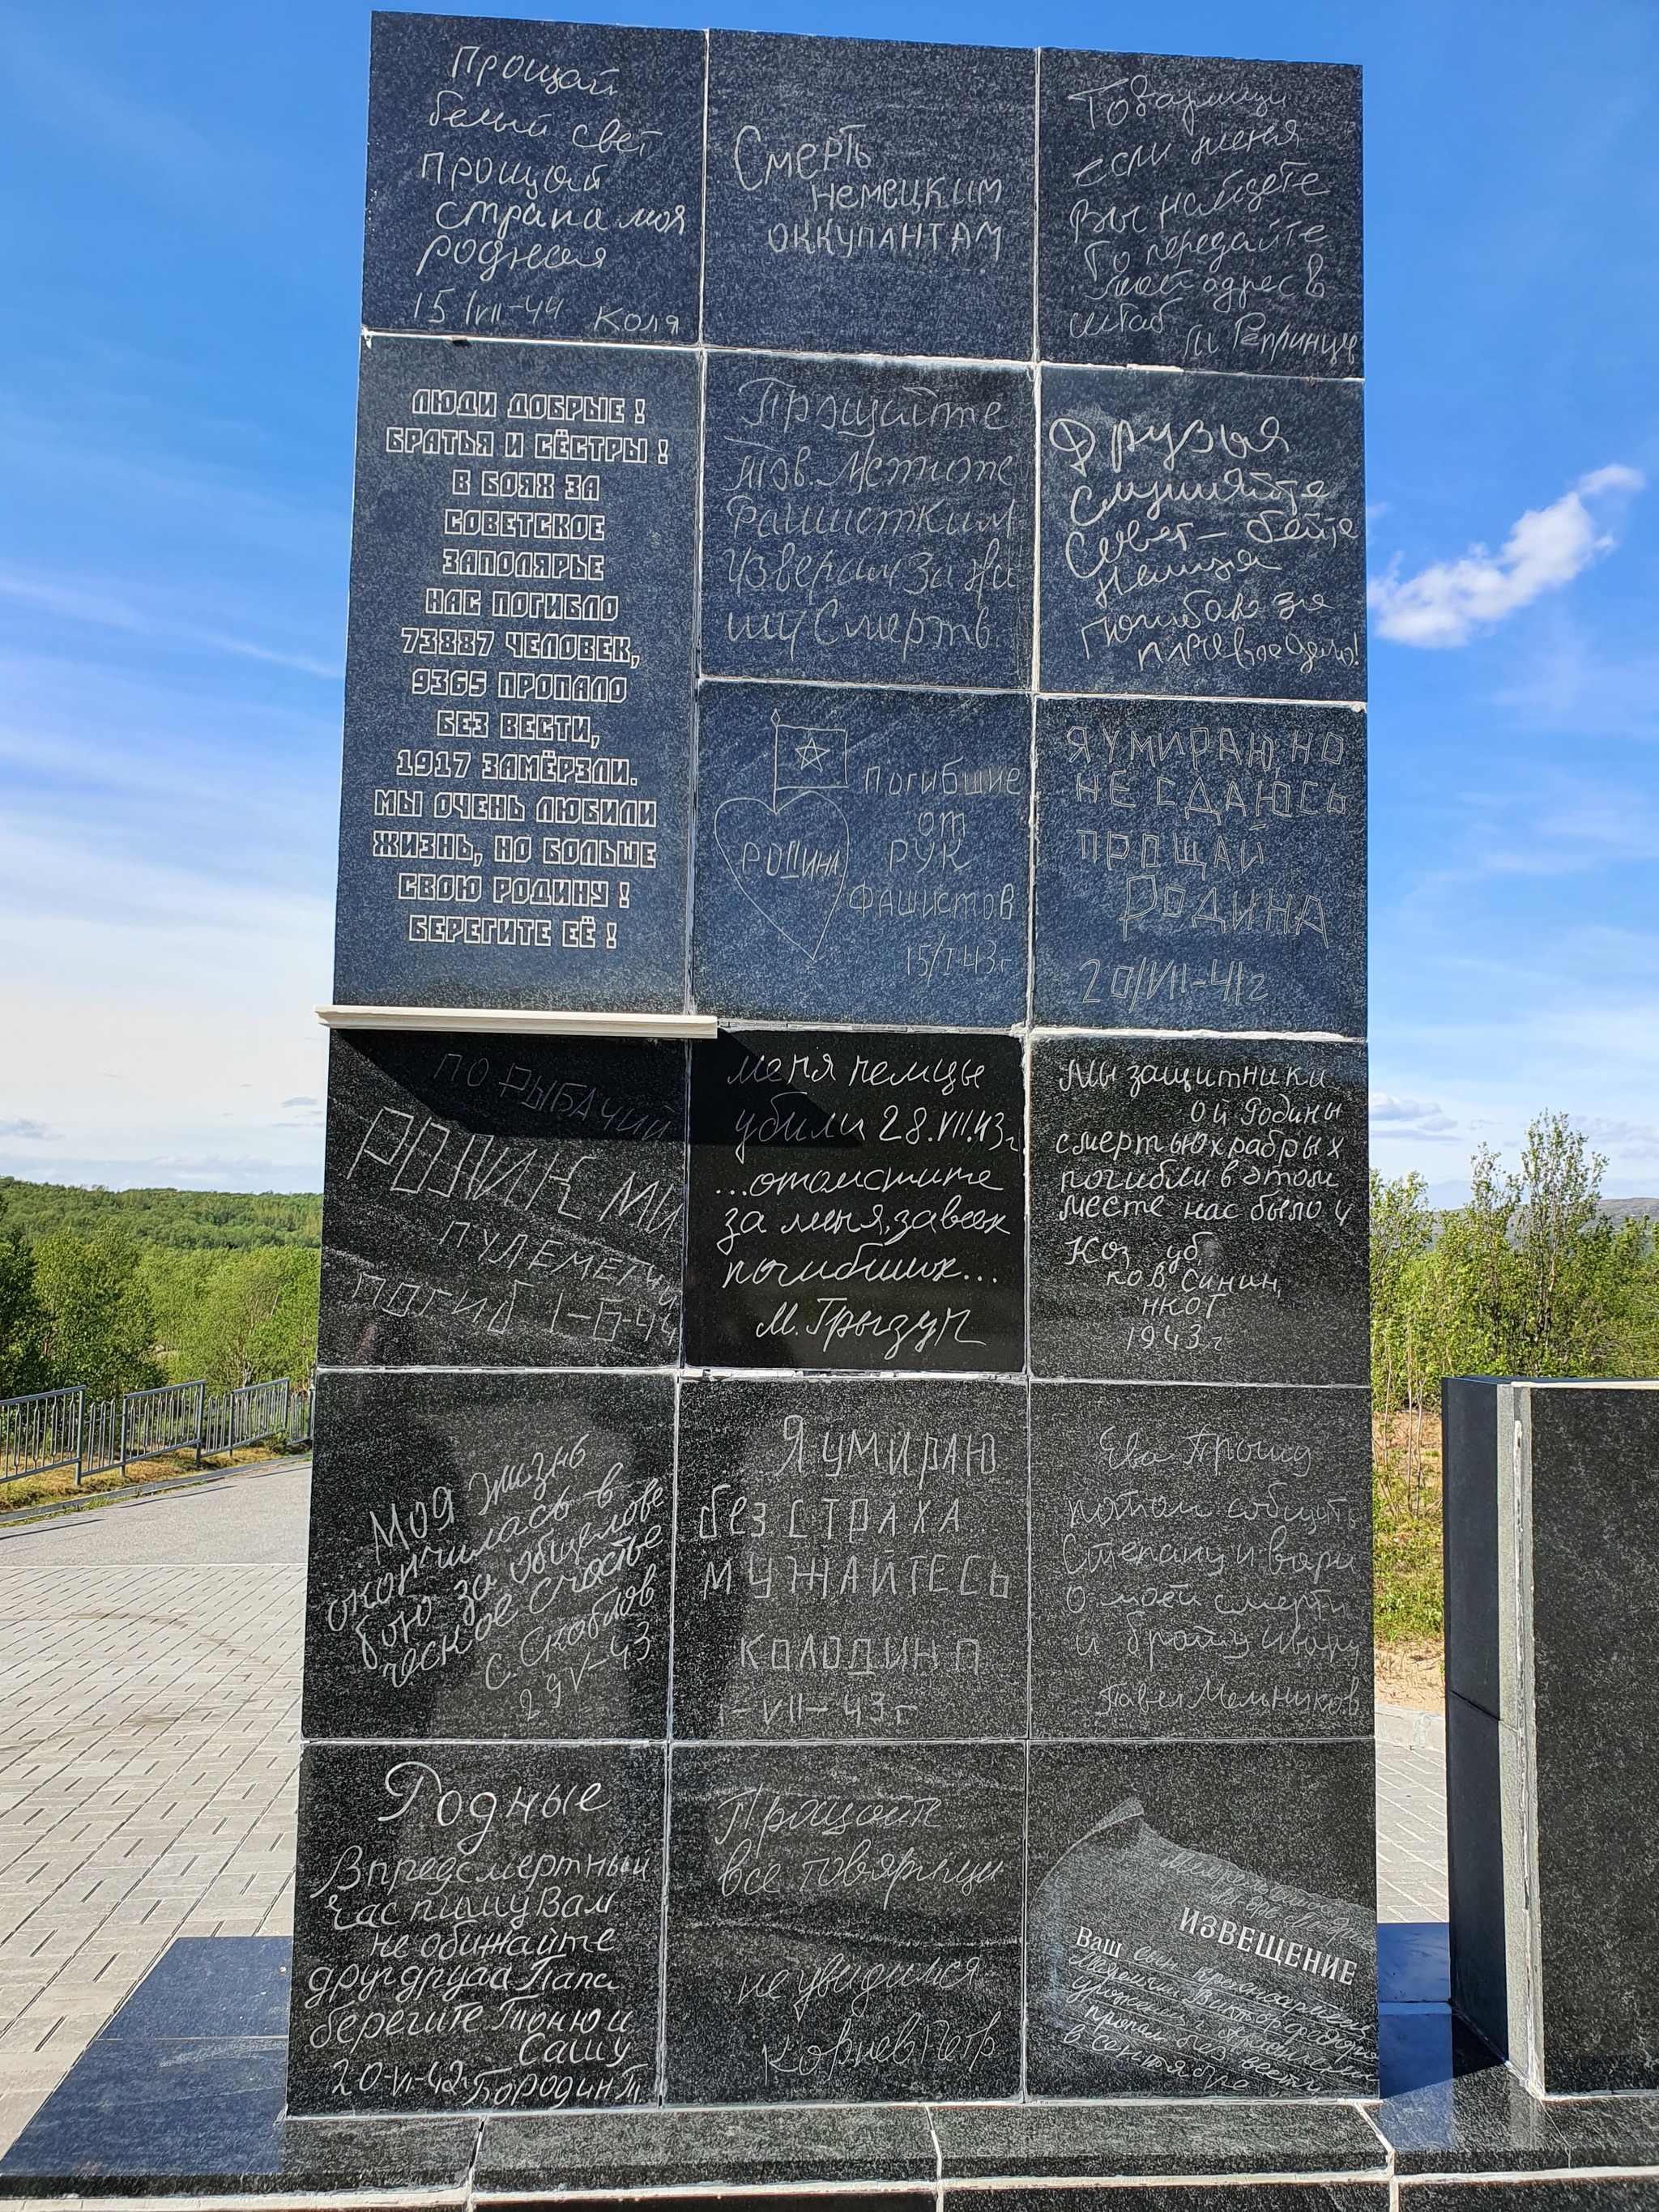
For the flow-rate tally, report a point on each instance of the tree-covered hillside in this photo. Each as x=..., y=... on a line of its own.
x=174, y=1220
x=122, y=1290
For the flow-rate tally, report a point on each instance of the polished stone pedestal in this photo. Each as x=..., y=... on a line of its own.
x=180, y=2100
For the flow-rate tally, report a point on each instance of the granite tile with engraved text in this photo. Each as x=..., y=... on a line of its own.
x=475, y=1926
x=1202, y=536
x=1200, y=214
x=501, y=1201
x=856, y=1201
x=862, y=855
x=1200, y=867
x=844, y=1924
x=514, y=813
x=1201, y=1561
x=870, y=195
x=867, y=522
x=532, y=179
x=1198, y=1210
x=490, y=1556
x=850, y=1559
x=1202, y=1920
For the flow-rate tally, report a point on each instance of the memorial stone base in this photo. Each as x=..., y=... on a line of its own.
x=180, y=2103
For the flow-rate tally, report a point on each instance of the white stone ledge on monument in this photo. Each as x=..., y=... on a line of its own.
x=520, y=1021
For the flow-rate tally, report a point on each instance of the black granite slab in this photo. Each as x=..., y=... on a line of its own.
x=844, y=1923
x=1552, y=1798
x=1413, y=2045
x=533, y=179
x=1594, y=2131
x=867, y=522
x=870, y=195
x=1201, y=1561
x=158, y=2116
x=476, y=1928
x=490, y=1556
x=209, y=1985
x=1200, y=214
x=1202, y=537
x=1482, y=2120
x=855, y=1201
x=1471, y=1406
x=913, y=2197
x=748, y=2150
x=1413, y=2012
x=1414, y=1965
x=1253, y=2196
x=1115, y=2141
x=1623, y=2192
x=502, y=1202
x=1595, y=1621
x=862, y=855
x=1200, y=869
x=1487, y=1859
x=182, y=2094
x=1198, y=1211
x=850, y=1560
x=516, y=788
x=1178, y=1894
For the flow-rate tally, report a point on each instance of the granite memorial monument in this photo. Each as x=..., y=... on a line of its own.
x=840, y=1560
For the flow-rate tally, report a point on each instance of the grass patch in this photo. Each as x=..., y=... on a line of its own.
x=1406, y=1530
x=59, y=1486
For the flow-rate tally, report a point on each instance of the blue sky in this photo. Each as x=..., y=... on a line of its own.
x=182, y=205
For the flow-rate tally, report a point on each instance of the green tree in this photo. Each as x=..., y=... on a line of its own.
x=259, y=1318
x=1401, y=1250
x=100, y=1326
x=234, y=1318
x=175, y=1283
x=1536, y=1279
x=22, y=1318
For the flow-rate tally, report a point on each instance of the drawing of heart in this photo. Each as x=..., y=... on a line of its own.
x=790, y=864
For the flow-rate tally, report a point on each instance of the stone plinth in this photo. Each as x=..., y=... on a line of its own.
x=1553, y=1725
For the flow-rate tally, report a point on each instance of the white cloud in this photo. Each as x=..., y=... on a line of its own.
x=20, y=1128
x=1409, y=1117
x=77, y=605
x=1447, y=603
x=1630, y=1137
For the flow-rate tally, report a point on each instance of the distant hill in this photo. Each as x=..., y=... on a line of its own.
x=181, y=1220
x=1622, y=1209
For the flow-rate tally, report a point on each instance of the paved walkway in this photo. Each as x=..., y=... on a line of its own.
x=149, y=1744
x=1410, y=1816
x=148, y=1748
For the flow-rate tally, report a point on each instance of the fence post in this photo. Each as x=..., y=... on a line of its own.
x=201, y=1403
x=80, y=1430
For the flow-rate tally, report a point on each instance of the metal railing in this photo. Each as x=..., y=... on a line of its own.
x=299, y=1417
x=40, y=1432
x=246, y=1416
x=51, y=1429
x=168, y=1419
